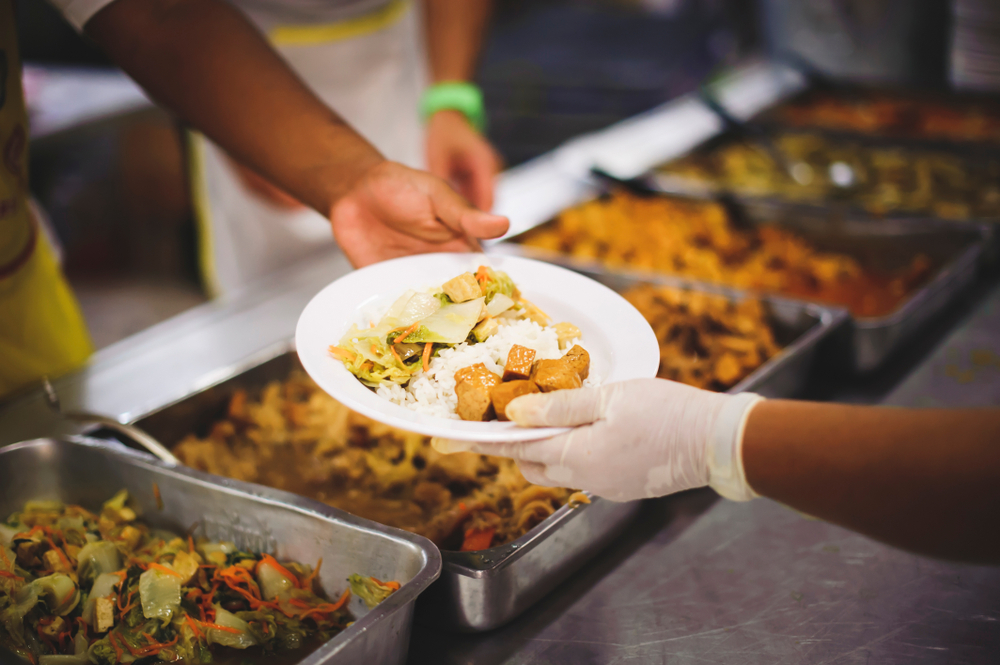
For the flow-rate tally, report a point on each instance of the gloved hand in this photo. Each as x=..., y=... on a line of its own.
x=632, y=440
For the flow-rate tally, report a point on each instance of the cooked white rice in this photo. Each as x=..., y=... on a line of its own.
x=433, y=392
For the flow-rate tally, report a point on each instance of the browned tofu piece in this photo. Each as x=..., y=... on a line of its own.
x=519, y=362
x=579, y=360
x=462, y=288
x=550, y=375
x=472, y=387
x=505, y=392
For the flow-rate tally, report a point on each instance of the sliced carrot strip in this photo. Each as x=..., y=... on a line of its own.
x=425, y=359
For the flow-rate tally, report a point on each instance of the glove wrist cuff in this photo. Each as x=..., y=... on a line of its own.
x=725, y=448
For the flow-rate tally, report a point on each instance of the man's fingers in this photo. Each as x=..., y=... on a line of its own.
x=456, y=213
x=478, y=224
x=562, y=408
x=483, y=168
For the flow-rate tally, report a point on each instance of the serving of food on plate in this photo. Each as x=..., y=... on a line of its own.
x=103, y=588
x=465, y=349
x=445, y=356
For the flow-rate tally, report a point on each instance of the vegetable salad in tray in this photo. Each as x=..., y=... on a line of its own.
x=78, y=587
x=465, y=350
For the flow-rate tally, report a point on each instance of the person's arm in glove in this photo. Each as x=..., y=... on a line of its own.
x=206, y=62
x=924, y=480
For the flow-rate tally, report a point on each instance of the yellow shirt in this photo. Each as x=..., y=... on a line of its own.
x=41, y=329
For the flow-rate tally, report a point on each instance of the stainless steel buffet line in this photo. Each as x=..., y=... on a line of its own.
x=694, y=579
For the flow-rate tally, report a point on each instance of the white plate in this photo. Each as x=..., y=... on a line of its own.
x=621, y=344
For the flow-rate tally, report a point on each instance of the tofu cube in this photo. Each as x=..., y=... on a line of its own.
x=462, y=288
x=505, y=392
x=53, y=562
x=552, y=375
x=519, y=361
x=472, y=387
x=566, y=333
x=104, y=614
x=579, y=360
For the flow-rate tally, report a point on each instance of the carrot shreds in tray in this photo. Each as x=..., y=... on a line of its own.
x=163, y=569
x=307, y=583
x=194, y=627
x=225, y=629
x=271, y=561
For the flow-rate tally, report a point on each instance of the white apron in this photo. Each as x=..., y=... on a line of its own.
x=372, y=70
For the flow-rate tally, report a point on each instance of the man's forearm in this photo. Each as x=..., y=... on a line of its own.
x=206, y=62
x=925, y=480
x=455, y=30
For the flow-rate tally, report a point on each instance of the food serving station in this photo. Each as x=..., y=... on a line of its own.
x=687, y=578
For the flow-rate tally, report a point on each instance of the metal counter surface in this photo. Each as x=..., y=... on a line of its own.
x=701, y=580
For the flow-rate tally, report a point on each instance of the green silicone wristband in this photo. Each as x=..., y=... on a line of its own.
x=466, y=98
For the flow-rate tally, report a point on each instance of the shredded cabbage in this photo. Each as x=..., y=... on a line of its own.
x=496, y=282
x=160, y=594
x=239, y=640
x=96, y=559
x=272, y=582
x=369, y=589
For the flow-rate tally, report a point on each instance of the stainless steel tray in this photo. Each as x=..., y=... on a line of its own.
x=883, y=244
x=477, y=590
x=802, y=329
x=770, y=119
x=88, y=472
x=981, y=164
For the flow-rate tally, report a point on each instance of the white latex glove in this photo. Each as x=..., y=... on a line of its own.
x=632, y=440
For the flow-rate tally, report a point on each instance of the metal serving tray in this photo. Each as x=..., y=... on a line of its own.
x=885, y=244
x=770, y=119
x=477, y=590
x=88, y=472
x=677, y=185
x=802, y=329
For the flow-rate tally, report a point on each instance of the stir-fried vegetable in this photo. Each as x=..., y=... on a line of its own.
x=371, y=590
x=79, y=588
x=464, y=309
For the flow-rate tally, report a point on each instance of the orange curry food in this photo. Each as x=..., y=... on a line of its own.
x=697, y=239
x=297, y=438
